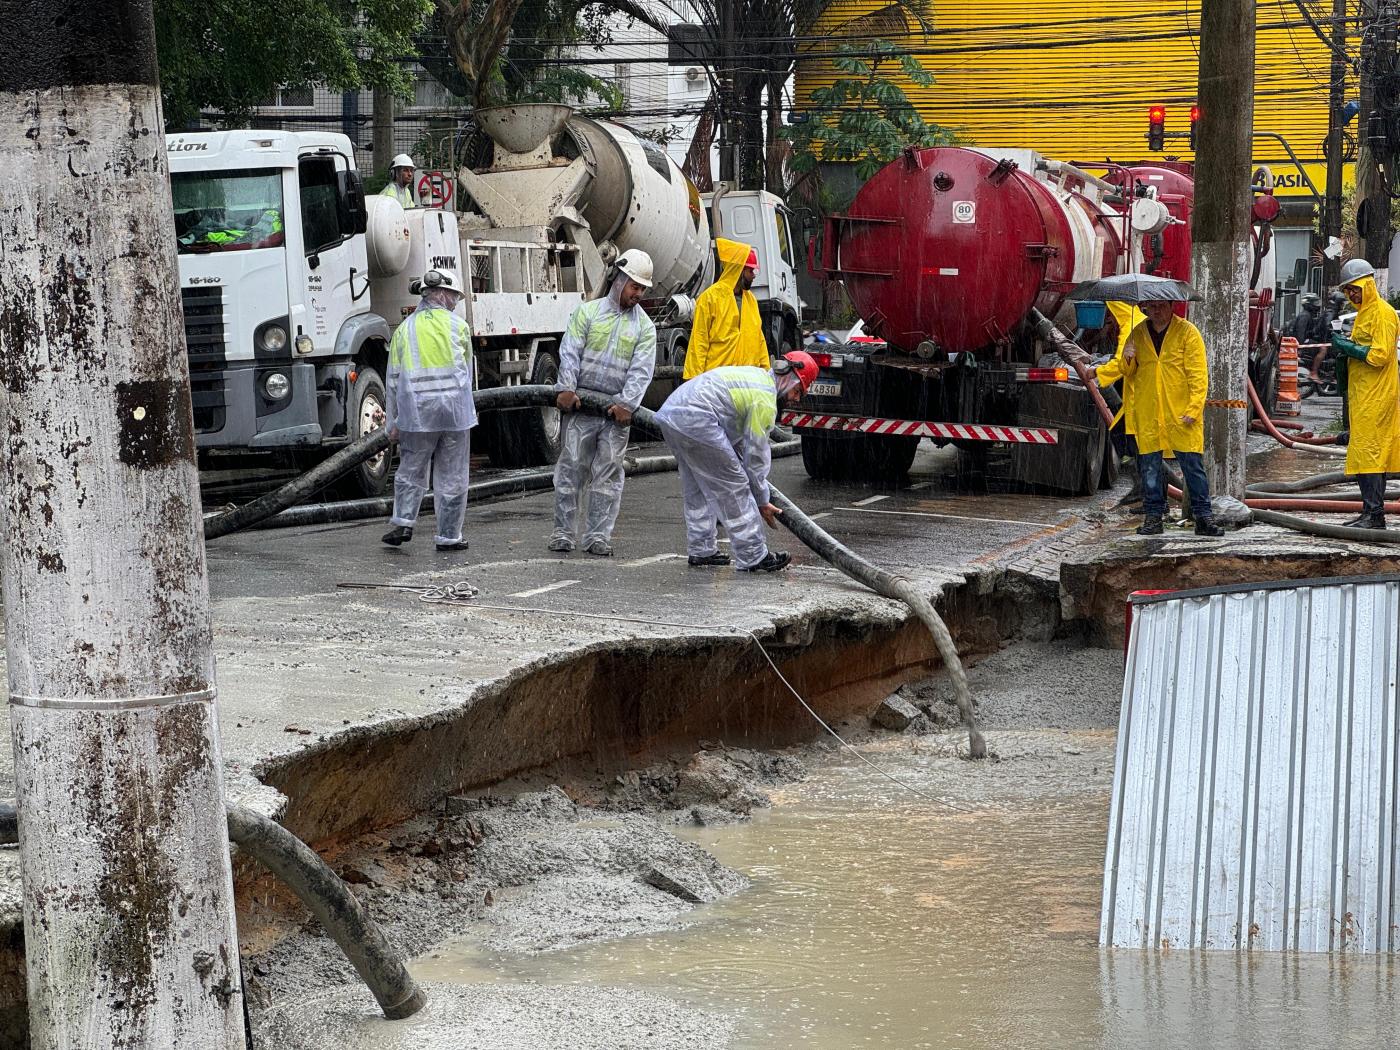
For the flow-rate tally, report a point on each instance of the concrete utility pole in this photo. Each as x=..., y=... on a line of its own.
x=1221, y=256
x=128, y=897
x=1336, y=99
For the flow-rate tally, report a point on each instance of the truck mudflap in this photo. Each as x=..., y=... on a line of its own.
x=922, y=428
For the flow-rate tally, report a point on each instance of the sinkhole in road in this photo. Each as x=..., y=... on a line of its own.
x=877, y=918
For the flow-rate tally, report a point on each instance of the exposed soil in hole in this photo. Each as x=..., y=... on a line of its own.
x=562, y=860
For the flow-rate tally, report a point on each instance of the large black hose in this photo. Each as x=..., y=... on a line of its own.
x=1322, y=528
x=339, y=911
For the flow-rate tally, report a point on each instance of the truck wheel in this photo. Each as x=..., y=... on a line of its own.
x=365, y=415
x=887, y=458
x=529, y=437
x=820, y=455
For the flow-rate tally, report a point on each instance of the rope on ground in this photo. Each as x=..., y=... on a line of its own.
x=445, y=595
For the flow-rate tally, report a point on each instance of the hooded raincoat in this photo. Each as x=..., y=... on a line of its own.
x=724, y=333
x=1373, y=387
x=1128, y=318
x=613, y=352
x=717, y=426
x=1166, y=387
x=430, y=403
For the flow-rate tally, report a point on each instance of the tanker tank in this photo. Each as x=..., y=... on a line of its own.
x=948, y=249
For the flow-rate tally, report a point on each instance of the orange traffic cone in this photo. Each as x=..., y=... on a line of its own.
x=1290, y=402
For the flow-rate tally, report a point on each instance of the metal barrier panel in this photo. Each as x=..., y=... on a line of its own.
x=1254, y=793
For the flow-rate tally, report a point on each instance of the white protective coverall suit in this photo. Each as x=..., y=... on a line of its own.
x=717, y=426
x=430, y=402
x=612, y=352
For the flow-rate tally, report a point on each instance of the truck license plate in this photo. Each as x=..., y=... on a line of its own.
x=824, y=388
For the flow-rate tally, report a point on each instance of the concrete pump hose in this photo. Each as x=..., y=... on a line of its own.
x=1322, y=528
x=339, y=911
x=1261, y=415
x=1317, y=481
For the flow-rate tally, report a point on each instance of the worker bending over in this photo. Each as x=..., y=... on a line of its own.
x=430, y=412
x=727, y=329
x=610, y=349
x=1373, y=389
x=400, y=184
x=1164, y=371
x=717, y=427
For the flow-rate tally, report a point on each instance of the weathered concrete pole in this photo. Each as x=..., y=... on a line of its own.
x=128, y=898
x=1221, y=256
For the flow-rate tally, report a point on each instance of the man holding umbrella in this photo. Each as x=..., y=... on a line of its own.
x=1164, y=367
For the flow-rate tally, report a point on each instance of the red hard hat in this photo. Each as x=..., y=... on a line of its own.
x=752, y=262
x=805, y=365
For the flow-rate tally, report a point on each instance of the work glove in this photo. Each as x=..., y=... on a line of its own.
x=1343, y=345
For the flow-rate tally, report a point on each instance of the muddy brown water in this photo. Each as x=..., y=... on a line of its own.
x=878, y=919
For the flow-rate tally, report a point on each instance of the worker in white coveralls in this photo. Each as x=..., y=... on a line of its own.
x=430, y=412
x=609, y=348
x=717, y=426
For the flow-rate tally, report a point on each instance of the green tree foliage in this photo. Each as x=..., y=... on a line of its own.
x=231, y=56
x=864, y=116
x=506, y=51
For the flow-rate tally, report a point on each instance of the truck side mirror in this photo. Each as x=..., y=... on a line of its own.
x=354, y=212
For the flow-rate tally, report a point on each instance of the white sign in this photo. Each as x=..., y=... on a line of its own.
x=965, y=211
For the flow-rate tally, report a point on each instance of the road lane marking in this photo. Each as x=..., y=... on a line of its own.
x=953, y=517
x=820, y=514
x=545, y=589
x=637, y=563
x=868, y=500
x=920, y=485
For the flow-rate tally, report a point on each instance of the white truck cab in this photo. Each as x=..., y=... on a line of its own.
x=285, y=351
x=761, y=219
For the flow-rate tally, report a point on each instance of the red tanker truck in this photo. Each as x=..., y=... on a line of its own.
x=944, y=254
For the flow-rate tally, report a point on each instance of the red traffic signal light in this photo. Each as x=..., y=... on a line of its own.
x=1195, y=116
x=1156, y=127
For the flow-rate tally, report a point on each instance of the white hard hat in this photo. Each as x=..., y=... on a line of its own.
x=442, y=279
x=403, y=160
x=1354, y=270
x=635, y=264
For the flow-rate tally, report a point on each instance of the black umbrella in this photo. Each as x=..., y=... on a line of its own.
x=1135, y=288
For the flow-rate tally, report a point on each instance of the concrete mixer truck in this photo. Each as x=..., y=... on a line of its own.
x=944, y=254
x=292, y=280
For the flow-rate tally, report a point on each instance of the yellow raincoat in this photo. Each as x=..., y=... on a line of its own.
x=1128, y=318
x=1373, y=387
x=1164, y=388
x=720, y=334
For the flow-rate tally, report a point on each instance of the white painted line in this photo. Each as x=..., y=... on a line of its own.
x=637, y=563
x=868, y=500
x=953, y=517
x=820, y=514
x=920, y=485
x=544, y=590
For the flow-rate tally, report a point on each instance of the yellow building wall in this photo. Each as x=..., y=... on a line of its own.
x=1073, y=79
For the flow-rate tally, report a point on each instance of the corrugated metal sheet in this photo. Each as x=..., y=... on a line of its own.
x=1255, y=789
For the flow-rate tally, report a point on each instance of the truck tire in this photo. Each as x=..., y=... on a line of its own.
x=822, y=455
x=887, y=458
x=529, y=437
x=370, y=478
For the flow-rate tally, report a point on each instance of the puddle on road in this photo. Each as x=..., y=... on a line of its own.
x=875, y=921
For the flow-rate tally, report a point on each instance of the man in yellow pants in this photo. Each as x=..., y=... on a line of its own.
x=1374, y=391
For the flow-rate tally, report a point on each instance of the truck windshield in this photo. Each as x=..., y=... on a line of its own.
x=222, y=211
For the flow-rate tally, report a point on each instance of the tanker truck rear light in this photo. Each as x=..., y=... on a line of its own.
x=822, y=360
x=1044, y=375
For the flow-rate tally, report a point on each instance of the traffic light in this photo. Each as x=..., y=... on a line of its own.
x=1195, y=116
x=1157, y=128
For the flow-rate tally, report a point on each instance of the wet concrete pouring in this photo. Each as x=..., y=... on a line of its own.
x=554, y=812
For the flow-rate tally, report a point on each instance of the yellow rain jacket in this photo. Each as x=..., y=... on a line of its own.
x=1128, y=318
x=1166, y=387
x=721, y=334
x=1373, y=387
